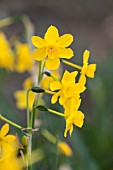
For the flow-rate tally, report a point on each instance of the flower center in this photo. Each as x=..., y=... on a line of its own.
x=52, y=52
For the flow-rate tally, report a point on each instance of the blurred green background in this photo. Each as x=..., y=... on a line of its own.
x=91, y=23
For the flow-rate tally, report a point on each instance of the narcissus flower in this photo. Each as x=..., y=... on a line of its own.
x=68, y=88
x=6, y=141
x=90, y=69
x=53, y=47
x=24, y=60
x=6, y=54
x=20, y=95
x=75, y=117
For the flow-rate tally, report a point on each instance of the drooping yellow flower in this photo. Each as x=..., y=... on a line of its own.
x=65, y=148
x=75, y=117
x=68, y=88
x=6, y=141
x=24, y=60
x=53, y=47
x=45, y=83
x=90, y=69
x=6, y=54
x=20, y=95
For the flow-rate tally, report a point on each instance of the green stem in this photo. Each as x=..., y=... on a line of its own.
x=10, y=122
x=34, y=110
x=40, y=74
x=29, y=149
x=28, y=112
x=37, y=95
x=55, y=112
x=49, y=92
x=29, y=135
x=5, y=22
x=71, y=64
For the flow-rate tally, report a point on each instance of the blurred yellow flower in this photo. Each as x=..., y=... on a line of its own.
x=24, y=60
x=20, y=95
x=45, y=83
x=65, y=148
x=88, y=70
x=67, y=88
x=6, y=54
x=6, y=141
x=28, y=83
x=74, y=117
x=53, y=47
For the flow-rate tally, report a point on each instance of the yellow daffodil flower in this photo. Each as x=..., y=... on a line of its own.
x=24, y=60
x=6, y=54
x=67, y=88
x=65, y=148
x=74, y=117
x=53, y=47
x=88, y=70
x=20, y=95
x=6, y=141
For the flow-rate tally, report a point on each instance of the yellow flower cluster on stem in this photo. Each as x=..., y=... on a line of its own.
x=51, y=50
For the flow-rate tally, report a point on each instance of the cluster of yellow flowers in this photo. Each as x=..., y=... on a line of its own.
x=50, y=50
x=8, y=150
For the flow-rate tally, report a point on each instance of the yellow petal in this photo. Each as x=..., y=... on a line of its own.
x=71, y=130
x=62, y=100
x=39, y=54
x=65, y=40
x=9, y=138
x=65, y=53
x=78, y=104
x=45, y=82
x=51, y=35
x=79, y=119
x=68, y=126
x=82, y=79
x=54, y=98
x=80, y=88
x=4, y=130
x=38, y=42
x=52, y=64
x=86, y=57
x=90, y=70
x=70, y=91
x=56, y=85
x=69, y=78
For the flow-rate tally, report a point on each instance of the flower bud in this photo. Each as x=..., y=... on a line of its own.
x=42, y=108
x=37, y=89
